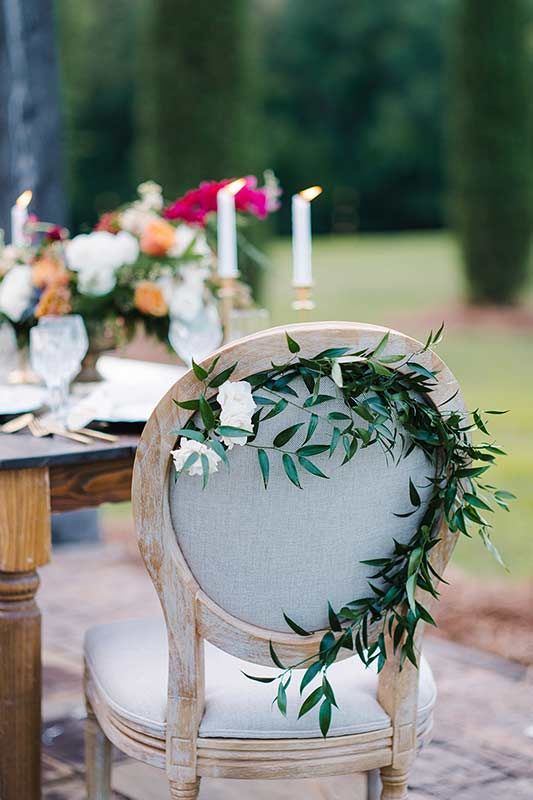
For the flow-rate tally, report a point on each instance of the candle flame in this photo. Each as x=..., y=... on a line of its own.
x=311, y=193
x=24, y=199
x=236, y=186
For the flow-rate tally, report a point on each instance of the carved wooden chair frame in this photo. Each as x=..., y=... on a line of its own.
x=192, y=616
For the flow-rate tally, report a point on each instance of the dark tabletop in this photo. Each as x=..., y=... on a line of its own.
x=22, y=450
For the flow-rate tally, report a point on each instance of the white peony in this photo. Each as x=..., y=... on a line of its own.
x=237, y=406
x=135, y=219
x=185, y=297
x=16, y=290
x=186, y=236
x=187, y=448
x=97, y=256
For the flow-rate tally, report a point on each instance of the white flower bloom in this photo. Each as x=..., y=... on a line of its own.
x=187, y=448
x=151, y=194
x=135, y=219
x=16, y=290
x=237, y=406
x=127, y=248
x=186, y=236
x=185, y=297
x=97, y=256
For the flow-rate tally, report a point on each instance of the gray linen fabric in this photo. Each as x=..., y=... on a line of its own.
x=128, y=662
x=258, y=553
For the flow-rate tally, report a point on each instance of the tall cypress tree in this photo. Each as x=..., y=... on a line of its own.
x=195, y=104
x=490, y=158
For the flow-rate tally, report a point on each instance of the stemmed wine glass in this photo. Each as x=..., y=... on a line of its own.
x=57, y=348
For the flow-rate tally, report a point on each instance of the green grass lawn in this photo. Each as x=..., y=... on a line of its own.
x=397, y=280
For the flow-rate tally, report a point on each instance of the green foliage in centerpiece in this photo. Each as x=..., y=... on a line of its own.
x=387, y=400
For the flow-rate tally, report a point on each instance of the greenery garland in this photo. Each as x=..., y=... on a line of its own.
x=380, y=400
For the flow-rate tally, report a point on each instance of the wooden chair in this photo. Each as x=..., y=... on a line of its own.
x=225, y=563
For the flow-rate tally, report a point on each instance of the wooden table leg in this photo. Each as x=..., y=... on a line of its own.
x=24, y=545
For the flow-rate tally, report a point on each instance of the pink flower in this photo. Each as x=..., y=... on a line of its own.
x=196, y=204
x=55, y=233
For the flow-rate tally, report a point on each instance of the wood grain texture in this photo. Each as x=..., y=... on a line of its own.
x=20, y=687
x=22, y=451
x=24, y=519
x=191, y=616
x=98, y=754
x=90, y=483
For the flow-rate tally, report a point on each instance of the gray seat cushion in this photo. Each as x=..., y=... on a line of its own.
x=128, y=663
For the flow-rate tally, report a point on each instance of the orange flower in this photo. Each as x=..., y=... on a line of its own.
x=149, y=299
x=55, y=300
x=49, y=272
x=157, y=238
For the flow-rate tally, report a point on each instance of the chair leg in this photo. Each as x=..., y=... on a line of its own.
x=373, y=782
x=394, y=784
x=97, y=759
x=184, y=791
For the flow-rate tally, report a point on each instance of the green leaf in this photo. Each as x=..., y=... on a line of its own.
x=312, y=449
x=205, y=469
x=199, y=371
x=309, y=675
x=264, y=463
x=295, y=627
x=334, y=440
x=474, y=500
x=310, y=467
x=424, y=614
x=230, y=431
x=410, y=588
x=189, y=405
x=311, y=701
x=334, y=622
x=189, y=433
x=491, y=547
x=326, y=643
x=259, y=679
x=293, y=346
x=328, y=691
x=337, y=415
x=311, y=428
x=290, y=470
x=286, y=435
x=212, y=365
x=414, y=560
x=189, y=461
x=282, y=699
x=502, y=494
x=263, y=401
x=421, y=370
x=222, y=377
x=280, y=406
x=497, y=412
x=381, y=346
x=413, y=495
x=316, y=400
x=217, y=446
x=206, y=412
x=324, y=717
x=274, y=656
x=332, y=352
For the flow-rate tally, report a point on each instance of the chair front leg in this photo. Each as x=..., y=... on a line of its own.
x=394, y=783
x=184, y=791
x=97, y=759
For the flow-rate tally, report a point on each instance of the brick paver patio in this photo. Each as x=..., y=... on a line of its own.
x=483, y=738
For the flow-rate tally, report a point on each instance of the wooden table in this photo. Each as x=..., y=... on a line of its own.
x=38, y=476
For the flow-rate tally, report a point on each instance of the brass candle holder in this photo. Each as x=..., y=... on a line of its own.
x=303, y=301
x=227, y=295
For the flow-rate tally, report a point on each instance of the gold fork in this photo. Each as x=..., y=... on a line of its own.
x=38, y=430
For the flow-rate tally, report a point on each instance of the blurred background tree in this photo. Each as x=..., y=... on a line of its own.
x=491, y=145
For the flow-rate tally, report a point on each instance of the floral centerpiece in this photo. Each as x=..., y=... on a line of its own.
x=144, y=263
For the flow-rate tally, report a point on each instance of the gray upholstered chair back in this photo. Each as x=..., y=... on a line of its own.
x=258, y=553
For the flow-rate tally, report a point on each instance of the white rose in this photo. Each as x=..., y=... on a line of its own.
x=16, y=290
x=135, y=219
x=151, y=194
x=96, y=281
x=187, y=448
x=237, y=406
x=126, y=248
x=186, y=236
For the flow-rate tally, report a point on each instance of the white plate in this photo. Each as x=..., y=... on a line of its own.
x=19, y=399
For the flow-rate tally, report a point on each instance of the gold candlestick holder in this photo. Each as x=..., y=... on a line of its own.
x=303, y=301
x=227, y=295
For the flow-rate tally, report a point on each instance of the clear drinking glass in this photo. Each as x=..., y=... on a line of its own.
x=57, y=348
x=198, y=337
x=8, y=351
x=245, y=321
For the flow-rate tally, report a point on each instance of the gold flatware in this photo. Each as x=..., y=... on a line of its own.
x=39, y=430
x=105, y=437
x=17, y=423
